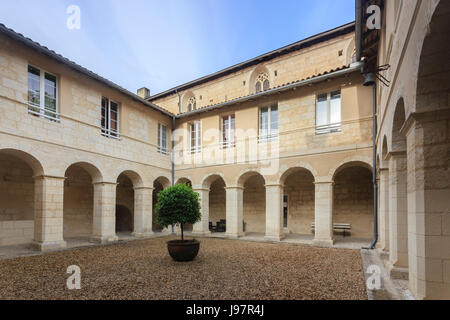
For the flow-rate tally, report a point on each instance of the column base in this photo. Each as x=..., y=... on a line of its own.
x=143, y=235
x=201, y=233
x=234, y=235
x=274, y=238
x=104, y=240
x=48, y=245
x=326, y=243
x=399, y=273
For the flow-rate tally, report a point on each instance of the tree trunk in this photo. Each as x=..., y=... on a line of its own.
x=182, y=235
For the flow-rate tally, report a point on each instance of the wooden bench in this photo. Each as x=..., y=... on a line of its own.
x=336, y=227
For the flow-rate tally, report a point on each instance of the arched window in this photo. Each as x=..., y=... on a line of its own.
x=262, y=82
x=192, y=104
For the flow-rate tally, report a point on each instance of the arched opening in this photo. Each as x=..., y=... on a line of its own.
x=260, y=80
x=298, y=201
x=124, y=205
x=17, y=197
x=78, y=213
x=254, y=207
x=353, y=202
x=217, y=203
x=429, y=164
x=398, y=202
x=158, y=185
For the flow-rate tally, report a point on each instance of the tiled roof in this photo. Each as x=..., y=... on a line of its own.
x=52, y=54
x=285, y=86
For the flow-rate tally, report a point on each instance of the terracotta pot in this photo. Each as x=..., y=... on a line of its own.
x=181, y=250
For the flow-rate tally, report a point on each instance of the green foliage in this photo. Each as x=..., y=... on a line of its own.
x=177, y=205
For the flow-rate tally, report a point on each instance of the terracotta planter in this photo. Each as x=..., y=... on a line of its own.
x=185, y=250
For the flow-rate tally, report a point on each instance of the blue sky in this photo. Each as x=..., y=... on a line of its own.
x=163, y=43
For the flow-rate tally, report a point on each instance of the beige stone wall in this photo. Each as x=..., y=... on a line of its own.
x=353, y=200
x=300, y=189
x=255, y=205
x=288, y=68
x=78, y=203
x=16, y=190
x=217, y=201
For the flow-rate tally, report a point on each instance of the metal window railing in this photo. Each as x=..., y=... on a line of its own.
x=37, y=110
x=329, y=128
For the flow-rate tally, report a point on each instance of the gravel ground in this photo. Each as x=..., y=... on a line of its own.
x=224, y=269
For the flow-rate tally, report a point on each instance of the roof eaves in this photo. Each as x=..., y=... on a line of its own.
x=309, y=80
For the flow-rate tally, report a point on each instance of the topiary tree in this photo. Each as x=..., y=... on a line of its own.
x=177, y=205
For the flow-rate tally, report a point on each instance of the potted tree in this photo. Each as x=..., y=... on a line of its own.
x=178, y=205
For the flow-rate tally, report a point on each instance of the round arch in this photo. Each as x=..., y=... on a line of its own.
x=93, y=171
x=164, y=181
x=355, y=163
x=211, y=178
x=243, y=177
x=32, y=161
x=135, y=178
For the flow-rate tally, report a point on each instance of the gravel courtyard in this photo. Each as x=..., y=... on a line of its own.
x=224, y=269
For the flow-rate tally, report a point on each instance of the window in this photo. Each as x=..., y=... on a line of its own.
x=328, y=112
x=196, y=133
x=228, y=131
x=192, y=104
x=268, y=123
x=42, y=94
x=162, y=139
x=110, y=118
x=262, y=82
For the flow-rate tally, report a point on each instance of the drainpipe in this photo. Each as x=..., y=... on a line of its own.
x=370, y=81
x=173, y=146
x=358, y=29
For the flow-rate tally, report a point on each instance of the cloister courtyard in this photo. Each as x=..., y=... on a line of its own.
x=224, y=269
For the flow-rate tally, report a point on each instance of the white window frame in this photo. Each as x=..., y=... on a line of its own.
x=197, y=148
x=162, y=148
x=230, y=140
x=329, y=127
x=44, y=113
x=268, y=137
x=107, y=131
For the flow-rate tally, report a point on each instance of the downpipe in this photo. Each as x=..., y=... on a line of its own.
x=370, y=81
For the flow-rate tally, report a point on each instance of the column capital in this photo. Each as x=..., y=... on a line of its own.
x=323, y=182
x=383, y=169
x=273, y=185
x=395, y=154
x=104, y=183
x=201, y=189
x=143, y=188
x=419, y=117
x=234, y=188
x=43, y=176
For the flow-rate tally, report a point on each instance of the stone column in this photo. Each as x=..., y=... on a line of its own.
x=143, y=202
x=202, y=227
x=104, y=226
x=384, y=209
x=48, y=213
x=429, y=204
x=235, y=211
x=398, y=208
x=274, y=213
x=324, y=214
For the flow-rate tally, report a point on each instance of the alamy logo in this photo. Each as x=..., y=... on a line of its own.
x=374, y=21
x=374, y=280
x=74, y=280
x=74, y=20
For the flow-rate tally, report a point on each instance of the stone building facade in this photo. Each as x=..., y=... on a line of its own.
x=272, y=145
